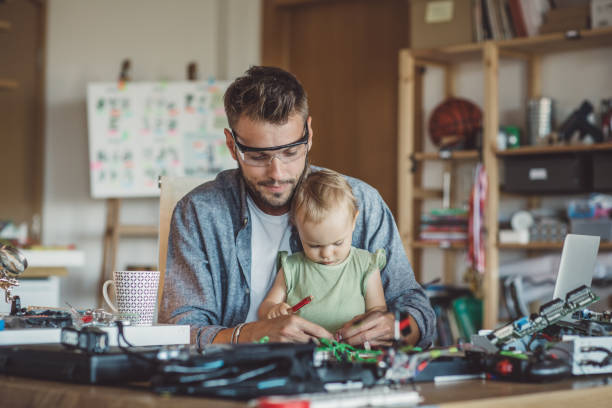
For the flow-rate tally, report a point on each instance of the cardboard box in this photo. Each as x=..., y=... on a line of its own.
x=601, y=13
x=436, y=23
x=564, y=19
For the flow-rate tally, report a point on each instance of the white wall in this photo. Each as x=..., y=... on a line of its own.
x=86, y=42
x=568, y=78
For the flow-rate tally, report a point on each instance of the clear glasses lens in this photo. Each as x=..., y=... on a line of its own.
x=262, y=159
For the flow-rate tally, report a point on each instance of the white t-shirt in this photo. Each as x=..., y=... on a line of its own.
x=270, y=234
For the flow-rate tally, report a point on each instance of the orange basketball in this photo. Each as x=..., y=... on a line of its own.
x=455, y=123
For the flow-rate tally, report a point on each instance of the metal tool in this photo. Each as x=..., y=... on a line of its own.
x=12, y=264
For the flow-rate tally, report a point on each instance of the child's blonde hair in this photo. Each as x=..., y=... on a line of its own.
x=318, y=193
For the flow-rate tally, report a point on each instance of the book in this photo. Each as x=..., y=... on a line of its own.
x=505, y=19
x=444, y=336
x=479, y=34
x=468, y=312
x=156, y=335
x=486, y=23
x=516, y=15
x=496, y=29
x=454, y=325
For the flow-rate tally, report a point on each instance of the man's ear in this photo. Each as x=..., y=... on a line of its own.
x=229, y=142
x=310, y=132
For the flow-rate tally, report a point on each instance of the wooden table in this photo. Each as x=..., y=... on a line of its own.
x=585, y=392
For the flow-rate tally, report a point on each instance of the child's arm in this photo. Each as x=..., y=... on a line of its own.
x=274, y=304
x=375, y=295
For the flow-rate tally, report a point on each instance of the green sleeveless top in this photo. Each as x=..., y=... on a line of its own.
x=338, y=290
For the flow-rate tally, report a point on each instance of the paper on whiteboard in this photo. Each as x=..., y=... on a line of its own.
x=140, y=131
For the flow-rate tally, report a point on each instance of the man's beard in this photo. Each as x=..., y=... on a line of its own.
x=264, y=202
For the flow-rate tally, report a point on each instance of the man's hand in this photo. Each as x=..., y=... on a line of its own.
x=286, y=329
x=376, y=327
x=278, y=310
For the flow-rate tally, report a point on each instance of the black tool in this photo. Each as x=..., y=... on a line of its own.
x=578, y=121
x=523, y=367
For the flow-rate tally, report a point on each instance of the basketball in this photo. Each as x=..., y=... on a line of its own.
x=455, y=123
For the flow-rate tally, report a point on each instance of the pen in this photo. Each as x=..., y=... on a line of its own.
x=302, y=303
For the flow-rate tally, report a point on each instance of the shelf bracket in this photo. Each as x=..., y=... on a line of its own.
x=413, y=164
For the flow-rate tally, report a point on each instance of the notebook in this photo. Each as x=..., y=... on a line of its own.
x=577, y=264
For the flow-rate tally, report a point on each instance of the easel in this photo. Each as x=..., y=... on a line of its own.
x=114, y=229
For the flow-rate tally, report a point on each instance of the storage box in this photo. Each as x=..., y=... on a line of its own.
x=436, y=23
x=601, y=227
x=563, y=19
x=602, y=172
x=559, y=173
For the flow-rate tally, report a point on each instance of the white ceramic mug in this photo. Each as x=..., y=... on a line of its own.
x=136, y=295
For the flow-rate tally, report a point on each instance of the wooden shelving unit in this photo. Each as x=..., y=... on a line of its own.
x=539, y=150
x=547, y=246
x=448, y=155
x=411, y=135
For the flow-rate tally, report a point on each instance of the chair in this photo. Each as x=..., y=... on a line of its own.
x=172, y=189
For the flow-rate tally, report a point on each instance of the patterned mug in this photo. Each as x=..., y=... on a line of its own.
x=136, y=295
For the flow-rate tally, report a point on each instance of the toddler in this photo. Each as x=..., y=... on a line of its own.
x=343, y=280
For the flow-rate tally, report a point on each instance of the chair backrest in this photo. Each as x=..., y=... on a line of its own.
x=172, y=189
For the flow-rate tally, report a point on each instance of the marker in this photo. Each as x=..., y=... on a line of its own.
x=302, y=303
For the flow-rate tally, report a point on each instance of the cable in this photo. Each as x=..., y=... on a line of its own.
x=121, y=336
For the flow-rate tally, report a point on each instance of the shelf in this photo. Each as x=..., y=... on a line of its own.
x=559, y=42
x=538, y=45
x=138, y=230
x=441, y=245
x=411, y=141
x=529, y=150
x=448, y=155
x=545, y=246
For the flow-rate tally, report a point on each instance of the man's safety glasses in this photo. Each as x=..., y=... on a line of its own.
x=263, y=156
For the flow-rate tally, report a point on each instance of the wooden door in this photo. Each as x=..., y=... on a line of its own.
x=22, y=30
x=345, y=53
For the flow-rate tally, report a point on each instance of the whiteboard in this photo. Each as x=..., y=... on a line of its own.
x=142, y=130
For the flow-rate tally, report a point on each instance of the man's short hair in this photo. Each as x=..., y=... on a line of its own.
x=267, y=94
x=320, y=192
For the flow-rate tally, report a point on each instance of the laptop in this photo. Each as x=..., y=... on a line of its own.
x=577, y=264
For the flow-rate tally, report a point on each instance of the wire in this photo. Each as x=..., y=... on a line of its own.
x=121, y=336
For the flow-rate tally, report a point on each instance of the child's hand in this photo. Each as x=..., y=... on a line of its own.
x=278, y=310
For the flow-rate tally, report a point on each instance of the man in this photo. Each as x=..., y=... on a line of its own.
x=225, y=234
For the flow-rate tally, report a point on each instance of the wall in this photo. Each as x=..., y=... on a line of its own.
x=86, y=42
x=568, y=78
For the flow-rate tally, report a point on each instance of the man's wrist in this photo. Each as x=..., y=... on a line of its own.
x=236, y=333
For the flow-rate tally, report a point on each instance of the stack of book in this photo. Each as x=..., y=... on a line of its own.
x=445, y=225
x=458, y=314
x=506, y=19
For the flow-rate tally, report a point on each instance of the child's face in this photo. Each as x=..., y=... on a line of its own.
x=328, y=242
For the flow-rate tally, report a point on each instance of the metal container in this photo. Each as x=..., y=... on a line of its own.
x=540, y=116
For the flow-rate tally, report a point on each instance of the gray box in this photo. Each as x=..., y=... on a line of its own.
x=601, y=227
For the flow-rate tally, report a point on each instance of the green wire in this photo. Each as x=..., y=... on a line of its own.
x=343, y=351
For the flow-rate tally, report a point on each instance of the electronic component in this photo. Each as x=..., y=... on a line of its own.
x=591, y=316
x=519, y=366
x=589, y=355
x=550, y=313
x=57, y=363
x=90, y=339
